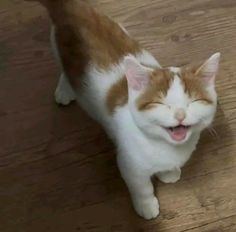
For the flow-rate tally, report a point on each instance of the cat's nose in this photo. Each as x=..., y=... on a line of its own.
x=180, y=114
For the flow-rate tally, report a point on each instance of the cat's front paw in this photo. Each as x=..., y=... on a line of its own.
x=147, y=208
x=170, y=176
x=64, y=96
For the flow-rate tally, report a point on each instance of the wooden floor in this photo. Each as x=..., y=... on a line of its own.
x=57, y=167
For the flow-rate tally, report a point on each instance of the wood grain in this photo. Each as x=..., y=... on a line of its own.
x=57, y=167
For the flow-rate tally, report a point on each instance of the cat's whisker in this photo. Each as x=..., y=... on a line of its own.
x=213, y=132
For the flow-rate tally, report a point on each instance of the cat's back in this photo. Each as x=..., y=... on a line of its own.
x=105, y=91
x=92, y=48
x=85, y=36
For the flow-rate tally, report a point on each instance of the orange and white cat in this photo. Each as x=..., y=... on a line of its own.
x=154, y=115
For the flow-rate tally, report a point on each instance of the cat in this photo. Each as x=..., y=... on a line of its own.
x=153, y=114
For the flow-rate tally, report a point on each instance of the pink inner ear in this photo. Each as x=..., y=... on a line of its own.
x=208, y=77
x=138, y=82
x=209, y=69
x=136, y=74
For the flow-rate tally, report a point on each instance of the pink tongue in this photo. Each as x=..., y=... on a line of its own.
x=178, y=133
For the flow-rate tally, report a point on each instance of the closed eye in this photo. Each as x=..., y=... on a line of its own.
x=150, y=105
x=157, y=103
x=160, y=103
x=197, y=100
x=202, y=100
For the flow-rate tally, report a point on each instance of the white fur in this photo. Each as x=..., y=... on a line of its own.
x=64, y=93
x=144, y=147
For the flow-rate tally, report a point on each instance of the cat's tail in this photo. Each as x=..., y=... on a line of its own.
x=41, y=1
x=59, y=9
x=45, y=3
x=52, y=3
x=54, y=6
x=67, y=17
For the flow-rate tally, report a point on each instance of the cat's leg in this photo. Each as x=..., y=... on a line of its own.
x=169, y=176
x=142, y=194
x=141, y=191
x=64, y=93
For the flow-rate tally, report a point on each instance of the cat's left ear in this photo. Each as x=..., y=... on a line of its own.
x=209, y=69
x=136, y=74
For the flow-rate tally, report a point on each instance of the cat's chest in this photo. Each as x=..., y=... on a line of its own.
x=164, y=157
x=161, y=156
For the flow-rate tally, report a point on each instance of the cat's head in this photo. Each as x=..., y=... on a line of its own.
x=172, y=103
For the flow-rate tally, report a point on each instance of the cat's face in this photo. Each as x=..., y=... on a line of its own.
x=172, y=103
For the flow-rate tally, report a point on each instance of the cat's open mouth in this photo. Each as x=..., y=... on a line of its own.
x=178, y=133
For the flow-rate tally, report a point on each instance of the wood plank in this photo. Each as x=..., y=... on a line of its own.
x=57, y=167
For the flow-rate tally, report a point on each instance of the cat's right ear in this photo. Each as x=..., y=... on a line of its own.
x=209, y=69
x=137, y=75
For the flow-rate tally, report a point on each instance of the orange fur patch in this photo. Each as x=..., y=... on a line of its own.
x=160, y=81
x=117, y=95
x=194, y=85
x=83, y=35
